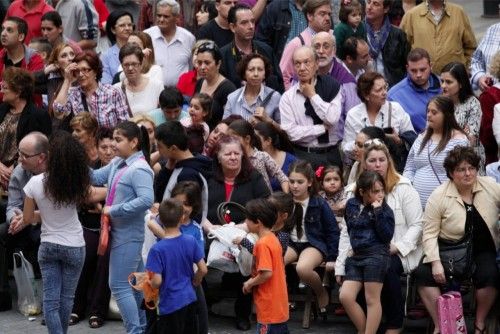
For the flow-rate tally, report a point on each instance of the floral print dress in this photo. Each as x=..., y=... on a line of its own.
x=468, y=115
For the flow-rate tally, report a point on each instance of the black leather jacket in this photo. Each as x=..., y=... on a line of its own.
x=394, y=53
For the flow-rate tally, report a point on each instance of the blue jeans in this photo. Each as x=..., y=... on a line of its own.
x=61, y=267
x=272, y=328
x=124, y=260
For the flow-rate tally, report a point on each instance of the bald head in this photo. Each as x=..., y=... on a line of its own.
x=305, y=62
x=33, y=151
x=325, y=48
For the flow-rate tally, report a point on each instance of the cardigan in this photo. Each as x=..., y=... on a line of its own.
x=243, y=191
x=31, y=119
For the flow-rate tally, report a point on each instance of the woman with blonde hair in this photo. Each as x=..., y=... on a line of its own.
x=405, y=248
x=84, y=128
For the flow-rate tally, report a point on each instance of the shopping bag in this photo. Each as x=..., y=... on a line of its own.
x=104, y=235
x=28, y=292
x=244, y=258
x=222, y=257
x=142, y=282
x=450, y=313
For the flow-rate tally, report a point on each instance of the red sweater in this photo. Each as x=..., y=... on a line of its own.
x=488, y=99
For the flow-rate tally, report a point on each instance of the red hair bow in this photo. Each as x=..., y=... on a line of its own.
x=319, y=171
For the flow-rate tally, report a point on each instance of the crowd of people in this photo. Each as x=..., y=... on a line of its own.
x=358, y=135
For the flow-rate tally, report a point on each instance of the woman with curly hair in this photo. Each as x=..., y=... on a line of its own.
x=57, y=193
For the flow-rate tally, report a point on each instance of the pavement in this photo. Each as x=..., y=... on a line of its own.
x=12, y=322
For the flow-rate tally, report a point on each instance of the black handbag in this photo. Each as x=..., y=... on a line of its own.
x=456, y=256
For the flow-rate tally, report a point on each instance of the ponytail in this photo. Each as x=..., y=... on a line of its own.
x=144, y=143
x=130, y=130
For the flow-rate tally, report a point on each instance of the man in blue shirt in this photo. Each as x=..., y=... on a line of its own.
x=420, y=85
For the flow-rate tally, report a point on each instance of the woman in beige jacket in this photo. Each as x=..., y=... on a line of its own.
x=466, y=200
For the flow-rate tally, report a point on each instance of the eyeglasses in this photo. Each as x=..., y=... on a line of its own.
x=83, y=70
x=131, y=65
x=463, y=170
x=25, y=156
x=373, y=142
x=124, y=25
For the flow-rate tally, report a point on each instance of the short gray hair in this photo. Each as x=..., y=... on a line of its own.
x=176, y=8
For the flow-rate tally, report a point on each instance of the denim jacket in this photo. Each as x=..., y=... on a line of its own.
x=368, y=227
x=321, y=228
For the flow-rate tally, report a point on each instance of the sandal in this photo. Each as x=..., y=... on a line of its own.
x=481, y=331
x=74, y=319
x=95, y=322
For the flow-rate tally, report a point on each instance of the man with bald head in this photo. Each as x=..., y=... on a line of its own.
x=318, y=14
x=33, y=149
x=324, y=45
x=310, y=111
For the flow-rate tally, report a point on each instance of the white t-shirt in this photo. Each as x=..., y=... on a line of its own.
x=146, y=100
x=60, y=225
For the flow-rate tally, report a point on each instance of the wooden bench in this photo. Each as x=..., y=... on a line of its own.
x=307, y=295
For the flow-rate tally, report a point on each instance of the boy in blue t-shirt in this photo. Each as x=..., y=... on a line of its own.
x=171, y=260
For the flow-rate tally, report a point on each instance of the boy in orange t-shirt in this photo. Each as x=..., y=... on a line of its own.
x=268, y=277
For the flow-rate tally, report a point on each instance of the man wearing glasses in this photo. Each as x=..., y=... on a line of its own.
x=32, y=151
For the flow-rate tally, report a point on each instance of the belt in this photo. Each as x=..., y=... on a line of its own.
x=316, y=149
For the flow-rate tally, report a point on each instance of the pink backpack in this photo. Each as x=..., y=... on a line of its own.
x=450, y=313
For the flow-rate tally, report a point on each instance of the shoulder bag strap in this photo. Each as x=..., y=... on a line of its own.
x=390, y=115
x=432, y=166
x=84, y=103
x=111, y=194
x=129, y=111
x=301, y=40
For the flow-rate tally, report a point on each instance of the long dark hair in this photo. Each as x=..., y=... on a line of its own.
x=279, y=138
x=447, y=107
x=130, y=130
x=366, y=181
x=67, y=179
x=113, y=17
x=459, y=72
x=284, y=203
x=243, y=129
x=305, y=168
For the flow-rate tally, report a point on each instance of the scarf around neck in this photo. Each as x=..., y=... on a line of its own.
x=376, y=44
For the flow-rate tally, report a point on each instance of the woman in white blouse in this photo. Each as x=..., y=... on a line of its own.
x=375, y=110
x=142, y=92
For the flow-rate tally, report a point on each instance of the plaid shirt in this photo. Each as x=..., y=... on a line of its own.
x=481, y=58
x=299, y=22
x=107, y=104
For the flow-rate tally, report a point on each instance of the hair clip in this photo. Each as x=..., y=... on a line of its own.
x=319, y=171
x=346, y=2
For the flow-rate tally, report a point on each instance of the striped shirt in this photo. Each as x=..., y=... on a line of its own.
x=481, y=58
x=425, y=169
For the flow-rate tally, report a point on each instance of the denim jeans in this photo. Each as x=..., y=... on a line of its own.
x=273, y=328
x=124, y=260
x=61, y=267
